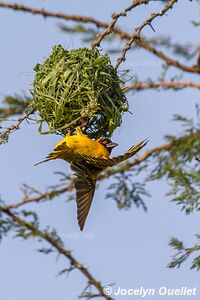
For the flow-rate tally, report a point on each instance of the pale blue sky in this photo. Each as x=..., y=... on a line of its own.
x=128, y=248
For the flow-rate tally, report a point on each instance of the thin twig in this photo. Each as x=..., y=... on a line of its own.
x=60, y=249
x=115, y=18
x=138, y=30
x=42, y=196
x=197, y=159
x=15, y=126
x=138, y=86
x=46, y=13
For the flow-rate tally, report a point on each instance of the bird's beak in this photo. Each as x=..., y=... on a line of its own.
x=111, y=145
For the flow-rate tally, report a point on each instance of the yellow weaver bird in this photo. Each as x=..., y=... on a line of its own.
x=88, y=158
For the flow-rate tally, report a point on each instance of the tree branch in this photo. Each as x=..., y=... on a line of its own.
x=46, y=13
x=60, y=249
x=138, y=86
x=99, y=24
x=48, y=195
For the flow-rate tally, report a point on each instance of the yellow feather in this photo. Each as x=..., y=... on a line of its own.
x=82, y=145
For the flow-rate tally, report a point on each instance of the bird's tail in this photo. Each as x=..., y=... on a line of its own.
x=85, y=182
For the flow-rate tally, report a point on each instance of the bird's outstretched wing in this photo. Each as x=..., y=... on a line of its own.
x=101, y=163
x=85, y=184
x=131, y=152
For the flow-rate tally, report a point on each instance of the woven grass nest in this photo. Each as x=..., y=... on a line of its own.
x=80, y=86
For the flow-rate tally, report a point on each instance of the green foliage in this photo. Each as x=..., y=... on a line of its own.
x=66, y=271
x=75, y=86
x=6, y=225
x=181, y=254
x=196, y=24
x=89, y=33
x=45, y=250
x=184, y=253
x=24, y=231
x=4, y=137
x=126, y=192
x=26, y=226
x=13, y=105
x=187, y=51
x=179, y=167
x=186, y=185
